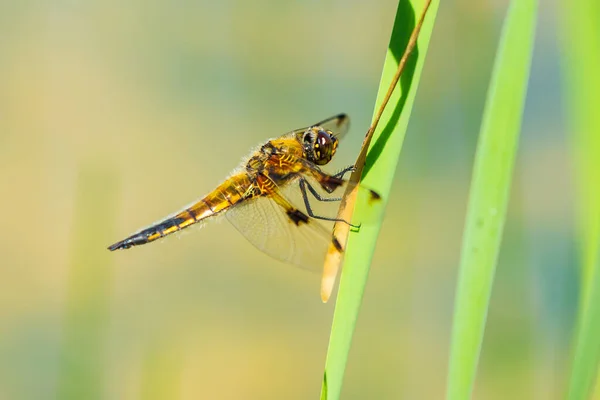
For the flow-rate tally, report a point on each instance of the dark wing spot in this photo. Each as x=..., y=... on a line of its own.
x=336, y=244
x=374, y=196
x=297, y=217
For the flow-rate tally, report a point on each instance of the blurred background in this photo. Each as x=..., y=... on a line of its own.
x=114, y=115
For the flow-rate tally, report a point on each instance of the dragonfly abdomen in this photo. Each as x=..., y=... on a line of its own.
x=224, y=196
x=149, y=234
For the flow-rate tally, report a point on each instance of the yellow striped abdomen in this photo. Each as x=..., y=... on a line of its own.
x=224, y=196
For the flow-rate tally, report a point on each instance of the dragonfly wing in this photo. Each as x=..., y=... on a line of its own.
x=266, y=222
x=338, y=125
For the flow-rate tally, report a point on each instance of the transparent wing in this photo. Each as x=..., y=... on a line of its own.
x=266, y=224
x=302, y=241
x=338, y=124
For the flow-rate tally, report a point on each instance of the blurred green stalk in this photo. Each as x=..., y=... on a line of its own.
x=161, y=371
x=580, y=37
x=489, y=194
x=82, y=358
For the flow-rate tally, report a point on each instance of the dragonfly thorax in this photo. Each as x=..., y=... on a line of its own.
x=256, y=163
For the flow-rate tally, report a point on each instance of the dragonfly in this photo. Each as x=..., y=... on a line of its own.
x=261, y=197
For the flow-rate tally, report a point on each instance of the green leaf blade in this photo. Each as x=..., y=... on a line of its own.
x=580, y=37
x=381, y=161
x=489, y=193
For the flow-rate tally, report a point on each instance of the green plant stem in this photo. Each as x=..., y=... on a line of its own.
x=580, y=39
x=384, y=151
x=489, y=193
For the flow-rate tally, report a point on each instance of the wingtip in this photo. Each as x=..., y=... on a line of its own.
x=327, y=283
x=343, y=118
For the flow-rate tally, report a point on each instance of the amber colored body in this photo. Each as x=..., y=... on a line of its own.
x=277, y=163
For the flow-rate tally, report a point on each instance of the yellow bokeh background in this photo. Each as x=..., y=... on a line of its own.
x=114, y=115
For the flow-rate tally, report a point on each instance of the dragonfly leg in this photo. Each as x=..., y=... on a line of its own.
x=343, y=172
x=303, y=185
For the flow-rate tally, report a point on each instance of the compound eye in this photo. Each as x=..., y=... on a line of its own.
x=324, y=147
x=323, y=139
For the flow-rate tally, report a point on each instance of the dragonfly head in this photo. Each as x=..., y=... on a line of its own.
x=319, y=145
